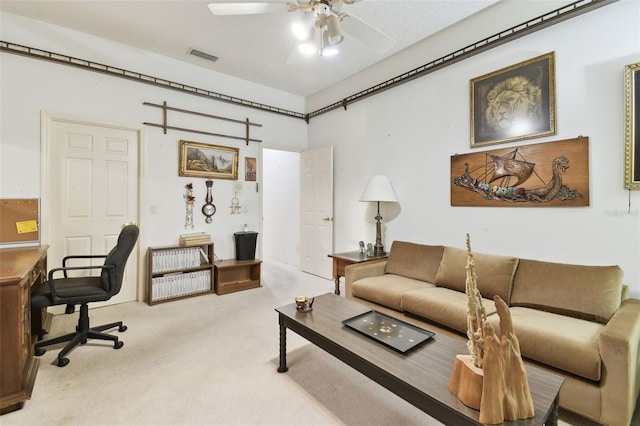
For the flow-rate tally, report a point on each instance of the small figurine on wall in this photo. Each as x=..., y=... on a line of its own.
x=190, y=199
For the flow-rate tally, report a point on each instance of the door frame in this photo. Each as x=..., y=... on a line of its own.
x=47, y=119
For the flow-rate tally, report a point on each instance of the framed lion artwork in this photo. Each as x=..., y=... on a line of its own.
x=514, y=103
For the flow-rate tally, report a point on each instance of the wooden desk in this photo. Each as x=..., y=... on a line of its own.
x=21, y=269
x=341, y=260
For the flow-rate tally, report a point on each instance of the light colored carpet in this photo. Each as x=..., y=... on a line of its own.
x=210, y=360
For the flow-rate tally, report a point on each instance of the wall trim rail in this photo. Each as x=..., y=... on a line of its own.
x=543, y=21
x=36, y=53
x=554, y=17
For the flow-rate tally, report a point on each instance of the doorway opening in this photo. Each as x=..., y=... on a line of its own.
x=281, y=205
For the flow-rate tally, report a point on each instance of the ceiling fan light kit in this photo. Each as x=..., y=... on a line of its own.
x=334, y=31
x=325, y=16
x=327, y=21
x=302, y=28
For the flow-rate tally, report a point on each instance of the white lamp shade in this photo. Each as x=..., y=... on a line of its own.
x=379, y=189
x=333, y=30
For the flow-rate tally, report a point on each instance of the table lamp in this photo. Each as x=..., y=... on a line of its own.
x=378, y=189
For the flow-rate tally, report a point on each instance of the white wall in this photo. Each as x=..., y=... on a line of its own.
x=29, y=86
x=281, y=205
x=409, y=133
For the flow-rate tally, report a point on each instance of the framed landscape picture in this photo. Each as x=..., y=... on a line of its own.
x=514, y=103
x=631, y=122
x=208, y=161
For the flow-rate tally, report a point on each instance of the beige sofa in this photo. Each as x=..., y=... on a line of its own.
x=576, y=321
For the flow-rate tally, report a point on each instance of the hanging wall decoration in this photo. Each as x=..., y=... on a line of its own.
x=235, y=205
x=190, y=199
x=514, y=103
x=631, y=126
x=208, y=161
x=551, y=174
x=208, y=209
x=250, y=170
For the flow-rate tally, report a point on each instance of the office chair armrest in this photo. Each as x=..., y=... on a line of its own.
x=111, y=269
x=81, y=256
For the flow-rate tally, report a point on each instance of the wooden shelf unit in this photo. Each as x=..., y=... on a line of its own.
x=236, y=275
x=178, y=272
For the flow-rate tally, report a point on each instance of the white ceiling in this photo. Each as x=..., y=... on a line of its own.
x=251, y=47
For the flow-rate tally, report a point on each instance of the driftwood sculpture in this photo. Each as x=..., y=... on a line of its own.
x=497, y=385
x=476, y=315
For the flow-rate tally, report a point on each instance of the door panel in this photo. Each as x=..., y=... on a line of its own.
x=316, y=235
x=93, y=185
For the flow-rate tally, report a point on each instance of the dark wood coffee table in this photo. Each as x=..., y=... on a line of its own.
x=420, y=377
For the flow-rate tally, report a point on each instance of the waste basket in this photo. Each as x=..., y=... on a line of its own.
x=246, y=245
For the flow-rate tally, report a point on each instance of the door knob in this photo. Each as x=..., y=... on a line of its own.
x=327, y=219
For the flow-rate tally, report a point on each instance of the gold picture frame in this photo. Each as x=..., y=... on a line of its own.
x=514, y=103
x=208, y=161
x=631, y=120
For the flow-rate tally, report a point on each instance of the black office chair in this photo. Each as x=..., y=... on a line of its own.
x=71, y=291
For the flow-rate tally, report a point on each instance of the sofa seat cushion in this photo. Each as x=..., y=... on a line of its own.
x=567, y=343
x=494, y=273
x=411, y=260
x=593, y=293
x=442, y=305
x=387, y=289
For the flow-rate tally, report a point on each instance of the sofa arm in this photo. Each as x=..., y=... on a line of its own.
x=619, y=350
x=357, y=271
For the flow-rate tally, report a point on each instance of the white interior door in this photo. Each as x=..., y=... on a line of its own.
x=92, y=191
x=316, y=198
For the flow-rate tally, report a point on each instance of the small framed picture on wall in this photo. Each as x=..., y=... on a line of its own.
x=250, y=169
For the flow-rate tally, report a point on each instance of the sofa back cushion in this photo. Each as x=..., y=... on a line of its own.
x=592, y=293
x=494, y=273
x=417, y=261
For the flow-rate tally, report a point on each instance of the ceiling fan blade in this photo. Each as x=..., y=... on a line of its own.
x=368, y=35
x=248, y=8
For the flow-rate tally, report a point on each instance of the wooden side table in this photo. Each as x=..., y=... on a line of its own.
x=341, y=260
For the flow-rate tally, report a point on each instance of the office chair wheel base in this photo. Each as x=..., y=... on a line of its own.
x=63, y=362
x=39, y=352
x=122, y=328
x=118, y=344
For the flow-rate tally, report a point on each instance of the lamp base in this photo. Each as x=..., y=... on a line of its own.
x=379, y=251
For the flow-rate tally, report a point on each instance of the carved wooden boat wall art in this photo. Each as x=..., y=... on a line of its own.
x=545, y=174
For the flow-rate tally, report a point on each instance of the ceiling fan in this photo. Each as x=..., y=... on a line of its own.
x=320, y=27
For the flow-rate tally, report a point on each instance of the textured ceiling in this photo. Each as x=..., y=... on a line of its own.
x=251, y=47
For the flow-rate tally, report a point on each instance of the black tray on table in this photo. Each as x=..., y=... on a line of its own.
x=397, y=334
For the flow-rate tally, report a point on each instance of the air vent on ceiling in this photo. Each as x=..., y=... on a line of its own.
x=203, y=55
